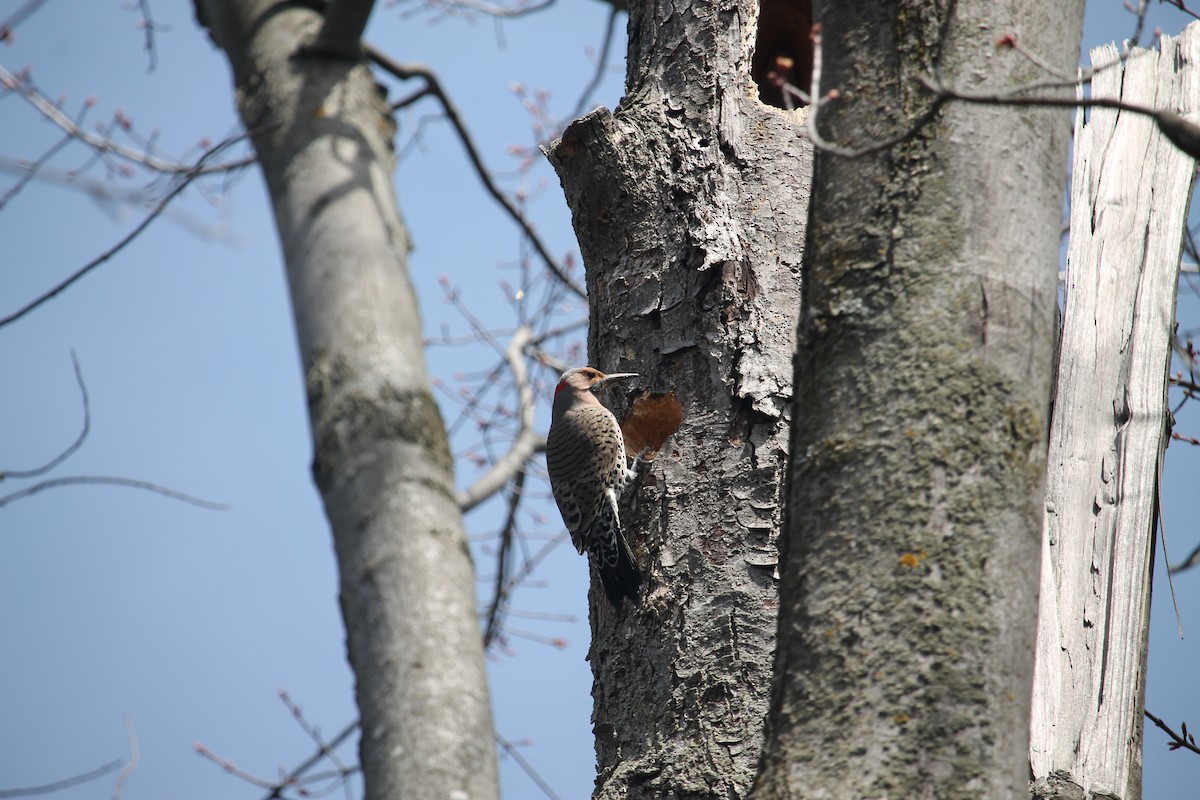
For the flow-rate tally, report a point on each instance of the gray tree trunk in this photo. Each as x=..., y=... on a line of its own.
x=381, y=459
x=911, y=550
x=1129, y=199
x=689, y=202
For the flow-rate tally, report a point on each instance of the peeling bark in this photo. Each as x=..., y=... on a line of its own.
x=690, y=202
x=1129, y=200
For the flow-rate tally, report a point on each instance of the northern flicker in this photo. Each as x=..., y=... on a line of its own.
x=585, y=456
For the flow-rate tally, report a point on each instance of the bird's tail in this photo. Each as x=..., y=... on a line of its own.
x=612, y=558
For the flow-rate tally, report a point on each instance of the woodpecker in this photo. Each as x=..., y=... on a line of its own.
x=585, y=456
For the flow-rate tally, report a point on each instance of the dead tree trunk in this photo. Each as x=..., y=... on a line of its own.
x=690, y=202
x=923, y=379
x=1129, y=201
x=381, y=458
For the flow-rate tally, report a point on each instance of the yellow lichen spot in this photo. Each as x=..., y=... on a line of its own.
x=901, y=719
x=910, y=433
x=913, y=560
x=829, y=634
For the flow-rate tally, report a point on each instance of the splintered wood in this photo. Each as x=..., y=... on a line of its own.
x=1129, y=199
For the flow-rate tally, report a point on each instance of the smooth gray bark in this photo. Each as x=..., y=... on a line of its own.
x=689, y=202
x=382, y=463
x=912, y=544
x=1129, y=198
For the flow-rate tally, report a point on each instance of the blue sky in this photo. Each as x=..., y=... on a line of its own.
x=118, y=602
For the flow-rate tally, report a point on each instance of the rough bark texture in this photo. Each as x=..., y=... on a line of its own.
x=910, y=574
x=381, y=457
x=1129, y=199
x=690, y=203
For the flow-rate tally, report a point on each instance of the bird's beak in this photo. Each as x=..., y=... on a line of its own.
x=616, y=376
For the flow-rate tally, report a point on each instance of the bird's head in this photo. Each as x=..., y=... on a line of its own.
x=587, y=379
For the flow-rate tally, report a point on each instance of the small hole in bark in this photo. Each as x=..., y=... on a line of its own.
x=782, y=50
x=603, y=216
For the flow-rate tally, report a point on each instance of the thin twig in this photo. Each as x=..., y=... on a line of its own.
x=113, y=199
x=409, y=71
x=1014, y=96
x=17, y=17
x=1140, y=25
x=65, y=454
x=105, y=480
x=312, y=732
x=299, y=771
x=195, y=172
x=32, y=170
x=131, y=765
x=511, y=749
x=235, y=770
x=1179, y=4
x=100, y=143
x=66, y=783
x=601, y=63
x=1177, y=741
x=818, y=101
x=1162, y=525
x=1192, y=560
x=1183, y=134
x=150, y=27
x=522, y=7
x=528, y=441
x=506, y=541
x=408, y=100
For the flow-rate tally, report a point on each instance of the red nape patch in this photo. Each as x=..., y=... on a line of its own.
x=561, y=385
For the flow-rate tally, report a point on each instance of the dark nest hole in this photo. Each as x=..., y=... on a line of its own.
x=783, y=50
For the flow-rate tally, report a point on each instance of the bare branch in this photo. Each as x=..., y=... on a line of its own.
x=1180, y=5
x=511, y=749
x=104, y=480
x=196, y=170
x=527, y=567
x=1159, y=513
x=31, y=172
x=65, y=454
x=506, y=541
x=816, y=101
x=293, y=777
x=1185, y=741
x=345, y=21
x=1182, y=133
x=150, y=28
x=528, y=441
x=409, y=71
x=601, y=63
x=1140, y=25
x=16, y=18
x=1192, y=560
x=100, y=143
x=131, y=765
x=114, y=200
x=518, y=9
x=1017, y=95
x=236, y=771
x=66, y=783
x=326, y=749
